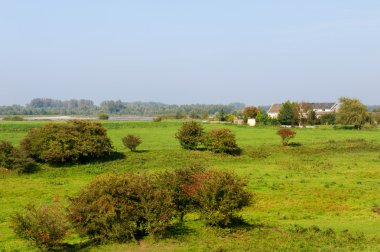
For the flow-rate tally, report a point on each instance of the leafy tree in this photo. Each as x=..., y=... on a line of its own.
x=190, y=135
x=194, y=115
x=251, y=112
x=288, y=114
x=328, y=119
x=222, y=115
x=131, y=142
x=221, y=141
x=351, y=112
x=286, y=135
x=205, y=114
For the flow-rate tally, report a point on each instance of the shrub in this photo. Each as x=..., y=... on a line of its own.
x=103, y=116
x=13, y=118
x=219, y=196
x=131, y=142
x=13, y=158
x=121, y=207
x=157, y=119
x=190, y=135
x=175, y=181
x=328, y=118
x=44, y=226
x=221, y=141
x=73, y=141
x=286, y=135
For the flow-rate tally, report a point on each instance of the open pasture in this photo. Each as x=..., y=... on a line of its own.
x=320, y=194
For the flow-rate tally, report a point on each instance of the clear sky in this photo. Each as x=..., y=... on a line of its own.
x=198, y=51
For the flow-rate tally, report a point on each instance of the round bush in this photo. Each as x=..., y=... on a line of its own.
x=44, y=226
x=121, y=207
x=73, y=141
x=221, y=141
x=190, y=135
x=131, y=142
x=286, y=135
x=219, y=196
x=14, y=158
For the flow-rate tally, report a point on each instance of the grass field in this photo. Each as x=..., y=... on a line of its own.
x=317, y=196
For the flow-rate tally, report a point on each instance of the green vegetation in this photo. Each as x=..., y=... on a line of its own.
x=74, y=141
x=286, y=135
x=131, y=142
x=103, y=116
x=221, y=141
x=320, y=196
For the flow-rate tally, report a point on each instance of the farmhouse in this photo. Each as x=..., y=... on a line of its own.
x=319, y=108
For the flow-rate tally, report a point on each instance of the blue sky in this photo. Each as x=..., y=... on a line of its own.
x=208, y=51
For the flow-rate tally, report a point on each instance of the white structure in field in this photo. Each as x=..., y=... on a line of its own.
x=251, y=122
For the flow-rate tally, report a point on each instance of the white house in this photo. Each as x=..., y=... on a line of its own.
x=319, y=108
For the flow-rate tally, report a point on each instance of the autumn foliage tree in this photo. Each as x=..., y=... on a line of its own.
x=250, y=112
x=286, y=135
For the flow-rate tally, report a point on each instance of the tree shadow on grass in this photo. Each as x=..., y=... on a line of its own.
x=140, y=151
x=178, y=230
x=294, y=144
x=111, y=157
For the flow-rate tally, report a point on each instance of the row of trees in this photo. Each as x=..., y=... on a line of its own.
x=47, y=106
x=350, y=112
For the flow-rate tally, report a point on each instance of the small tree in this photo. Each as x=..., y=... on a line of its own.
x=103, y=116
x=351, y=112
x=286, y=135
x=221, y=141
x=288, y=114
x=44, y=226
x=157, y=119
x=190, y=135
x=250, y=112
x=131, y=142
x=328, y=119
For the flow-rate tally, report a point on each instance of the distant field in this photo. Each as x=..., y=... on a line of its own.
x=318, y=196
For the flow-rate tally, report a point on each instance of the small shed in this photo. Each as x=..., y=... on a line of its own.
x=251, y=122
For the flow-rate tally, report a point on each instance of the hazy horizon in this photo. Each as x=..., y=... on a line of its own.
x=208, y=52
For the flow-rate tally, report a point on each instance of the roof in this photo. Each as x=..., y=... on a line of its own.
x=322, y=105
x=275, y=108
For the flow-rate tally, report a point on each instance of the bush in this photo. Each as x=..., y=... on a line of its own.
x=190, y=135
x=121, y=207
x=175, y=181
x=328, y=119
x=219, y=196
x=44, y=226
x=286, y=135
x=13, y=158
x=73, y=141
x=103, y=116
x=157, y=119
x=221, y=141
x=131, y=142
x=13, y=118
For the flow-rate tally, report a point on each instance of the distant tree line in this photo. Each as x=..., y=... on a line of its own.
x=47, y=106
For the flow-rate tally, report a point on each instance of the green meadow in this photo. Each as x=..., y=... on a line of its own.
x=320, y=194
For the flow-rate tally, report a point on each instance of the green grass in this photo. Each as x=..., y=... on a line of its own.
x=331, y=181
